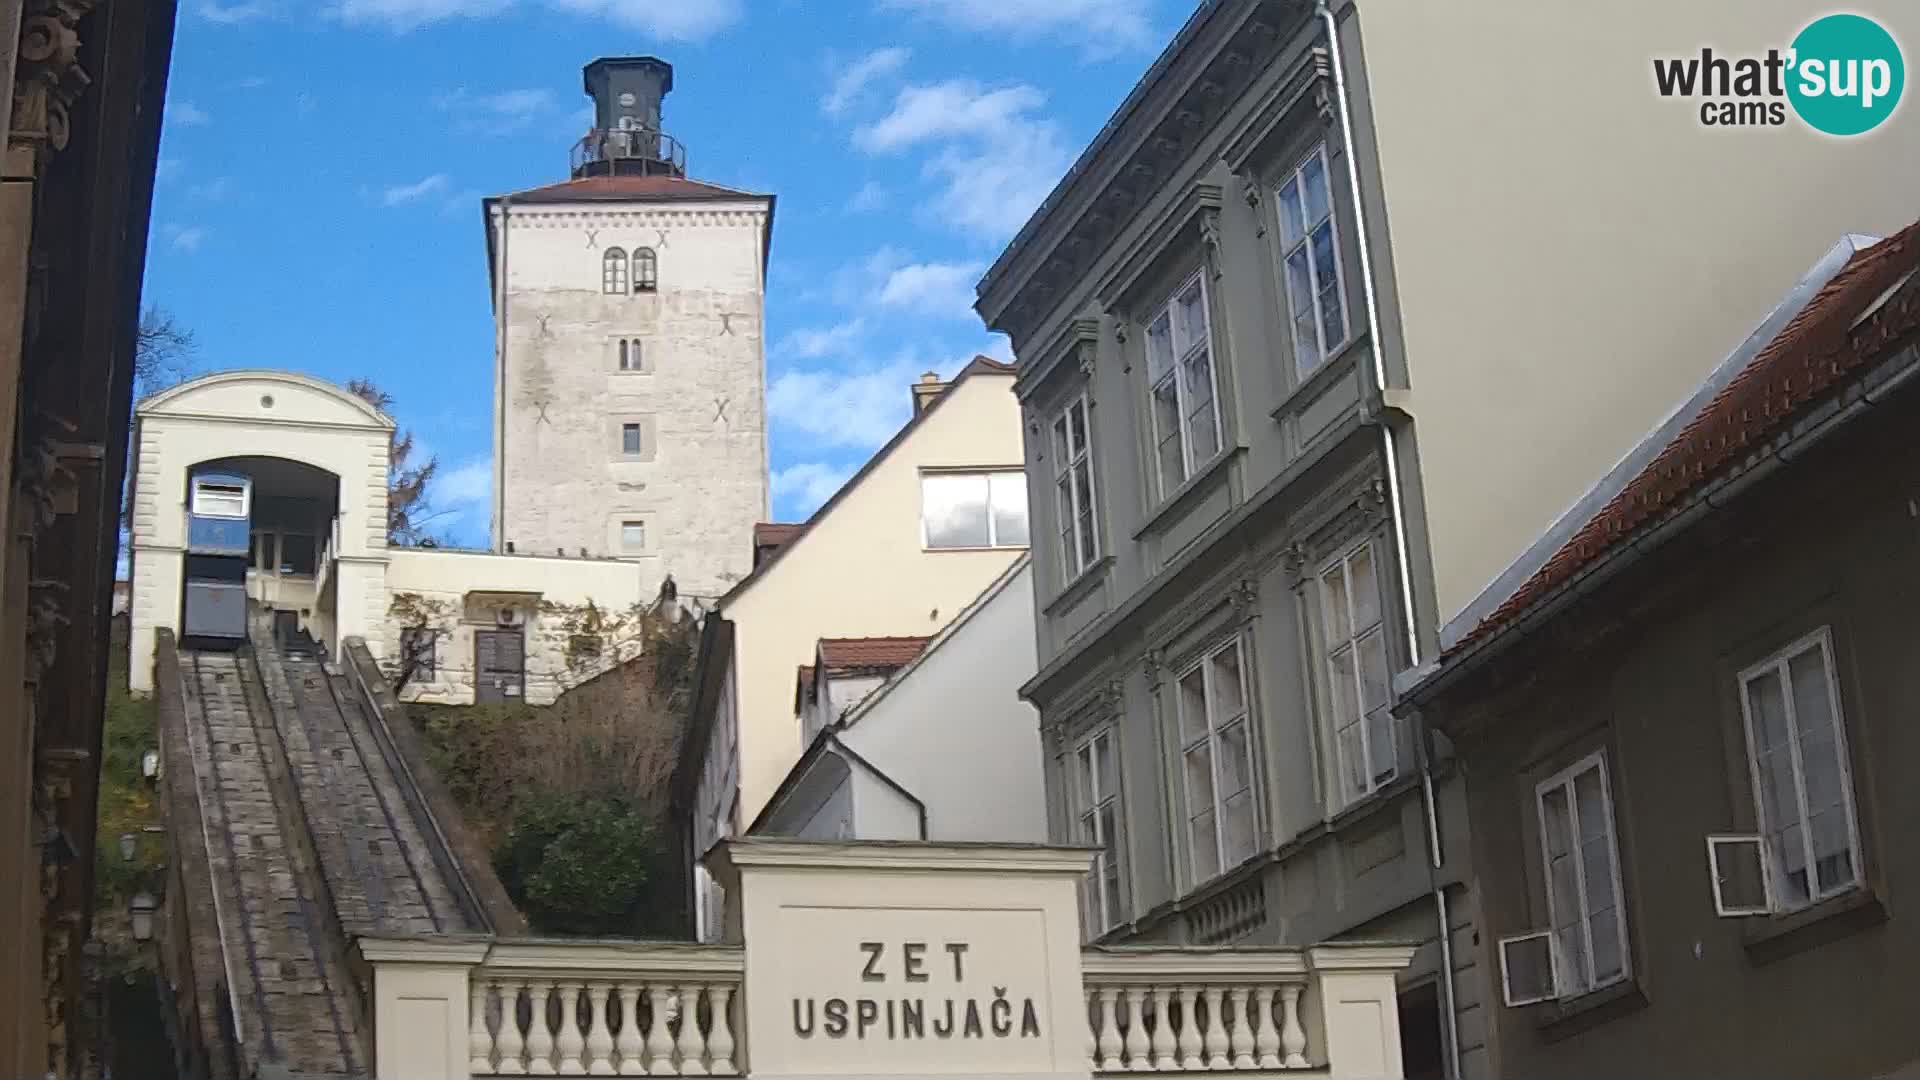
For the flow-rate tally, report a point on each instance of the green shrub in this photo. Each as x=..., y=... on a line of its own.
x=580, y=863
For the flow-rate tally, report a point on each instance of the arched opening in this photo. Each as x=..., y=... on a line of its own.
x=292, y=513
x=613, y=272
x=646, y=270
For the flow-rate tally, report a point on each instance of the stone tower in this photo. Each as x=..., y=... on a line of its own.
x=630, y=373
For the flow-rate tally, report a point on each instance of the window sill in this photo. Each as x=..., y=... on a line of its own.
x=1082, y=584
x=1781, y=936
x=1365, y=805
x=1182, y=496
x=973, y=547
x=1565, y=1019
x=1324, y=375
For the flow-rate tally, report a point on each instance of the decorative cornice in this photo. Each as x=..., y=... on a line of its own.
x=1185, y=219
x=49, y=78
x=1077, y=342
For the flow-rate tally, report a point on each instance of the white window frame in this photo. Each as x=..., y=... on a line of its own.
x=1324, y=343
x=1210, y=736
x=1079, y=542
x=1350, y=645
x=639, y=438
x=226, y=490
x=614, y=272
x=1085, y=801
x=1183, y=353
x=1715, y=844
x=1564, y=779
x=1779, y=663
x=993, y=539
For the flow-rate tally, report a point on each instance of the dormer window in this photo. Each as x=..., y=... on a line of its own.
x=613, y=272
x=646, y=270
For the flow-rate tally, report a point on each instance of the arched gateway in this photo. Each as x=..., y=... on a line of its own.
x=900, y=960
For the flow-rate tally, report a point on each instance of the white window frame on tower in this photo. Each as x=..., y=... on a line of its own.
x=614, y=272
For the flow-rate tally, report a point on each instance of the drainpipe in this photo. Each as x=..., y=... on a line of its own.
x=1396, y=501
x=500, y=386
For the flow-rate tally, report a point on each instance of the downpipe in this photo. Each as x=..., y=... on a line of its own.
x=1397, y=511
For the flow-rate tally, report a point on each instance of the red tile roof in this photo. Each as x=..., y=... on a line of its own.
x=845, y=655
x=615, y=188
x=1809, y=356
x=775, y=533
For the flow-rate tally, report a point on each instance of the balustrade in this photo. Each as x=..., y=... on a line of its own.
x=1182, y=1010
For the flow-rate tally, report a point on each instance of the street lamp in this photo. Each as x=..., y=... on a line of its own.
x=141, y=909
x=129, y=845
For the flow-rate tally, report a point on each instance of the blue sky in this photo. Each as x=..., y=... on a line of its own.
x=323, y=162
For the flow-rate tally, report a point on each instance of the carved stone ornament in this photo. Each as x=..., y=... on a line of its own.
x=1086, y=358
x=1150, y=666
x=1210, y=238
x=49, y=78
x=1244, y=595
x=1372, y=502
x=1323, y=101
x=1293, y=561
x=1119, y=330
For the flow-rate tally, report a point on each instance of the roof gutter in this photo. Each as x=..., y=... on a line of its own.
x=1785, y=448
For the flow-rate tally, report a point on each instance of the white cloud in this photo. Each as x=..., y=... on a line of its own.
x=251, y=82
x=686, y=20
x=931, y=288
x=215, y=190
x=187, y=238
x=993, y=157
x=857, y=76
x=859, y=409
x=460, y=500
x=871, y=196
x=955, y=108
x=401, y=194
x=802, y=487
x=498, y=113
x=813, y=343
x=1102, y=27
x=238, y=11
x=187, y=114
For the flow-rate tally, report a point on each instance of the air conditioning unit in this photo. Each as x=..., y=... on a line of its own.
x=511, y=616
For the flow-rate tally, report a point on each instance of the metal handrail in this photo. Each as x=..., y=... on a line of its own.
x=629, y=144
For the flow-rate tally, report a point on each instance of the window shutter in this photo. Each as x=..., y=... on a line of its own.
x=1742, y=875
x=1529, y=973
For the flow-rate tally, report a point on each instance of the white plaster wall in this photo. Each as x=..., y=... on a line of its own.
x=444, y=577
x=880, y=812
x=862, y=571
x=1572, y=252
x=228, y=415
x=702, y=481
x=953, y=731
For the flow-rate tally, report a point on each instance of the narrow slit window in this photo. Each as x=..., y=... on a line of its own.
x=631, y=356
x=1354, y=647
x=1073, y=485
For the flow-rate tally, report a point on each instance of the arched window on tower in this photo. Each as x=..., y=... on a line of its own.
x=646, y=270
x=613, y=272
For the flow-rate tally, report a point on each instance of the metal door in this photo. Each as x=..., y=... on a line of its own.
x=500, y=665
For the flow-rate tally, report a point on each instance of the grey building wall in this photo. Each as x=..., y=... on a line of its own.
x=1646, y=671
x=1185, y=181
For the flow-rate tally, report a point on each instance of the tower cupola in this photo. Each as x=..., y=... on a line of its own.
x=627, y=138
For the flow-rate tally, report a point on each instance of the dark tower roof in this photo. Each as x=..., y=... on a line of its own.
x=627, y=137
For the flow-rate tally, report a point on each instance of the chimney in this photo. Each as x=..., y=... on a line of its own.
x=926, y=390
x=627, y=138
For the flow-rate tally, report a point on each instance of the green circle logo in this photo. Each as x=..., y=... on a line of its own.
x=1847, y=75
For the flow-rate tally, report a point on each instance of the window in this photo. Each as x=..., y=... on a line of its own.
x=1796, y=748
x=211, y=499
x=630, y=439
x=1586, y=947
x=417, y=651
x=1094, y=789
x=630, y=358
x=974, y=510
x=613, y=272
x=1355, y=649
x=1312, y=262
x=1186, y=419
x=297, y=554
x=646, y=270
x=633, y=536
x=1073, y=484
x=1216, y=754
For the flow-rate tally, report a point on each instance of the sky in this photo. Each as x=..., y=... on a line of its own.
x=323, y=161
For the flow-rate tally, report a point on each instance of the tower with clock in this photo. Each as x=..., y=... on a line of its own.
x=630, y=372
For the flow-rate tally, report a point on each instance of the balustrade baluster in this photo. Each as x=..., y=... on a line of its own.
x=1266, y=1040
x=659, y=1043
x=599, y=1031
x=1136, y=1029
x=512, y=1045
x=479, y=1039
x=1163, y=1045
x=1293, y=1037
x=1216, y=1031
x=1190, y=1044
x=539, y=1033
x=693, y=1045
x=1109, y=1030
x=1241, y=1032
x=570, y=1042
x=1093, y=1029
x=720, y=1039
x=629, y=1045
